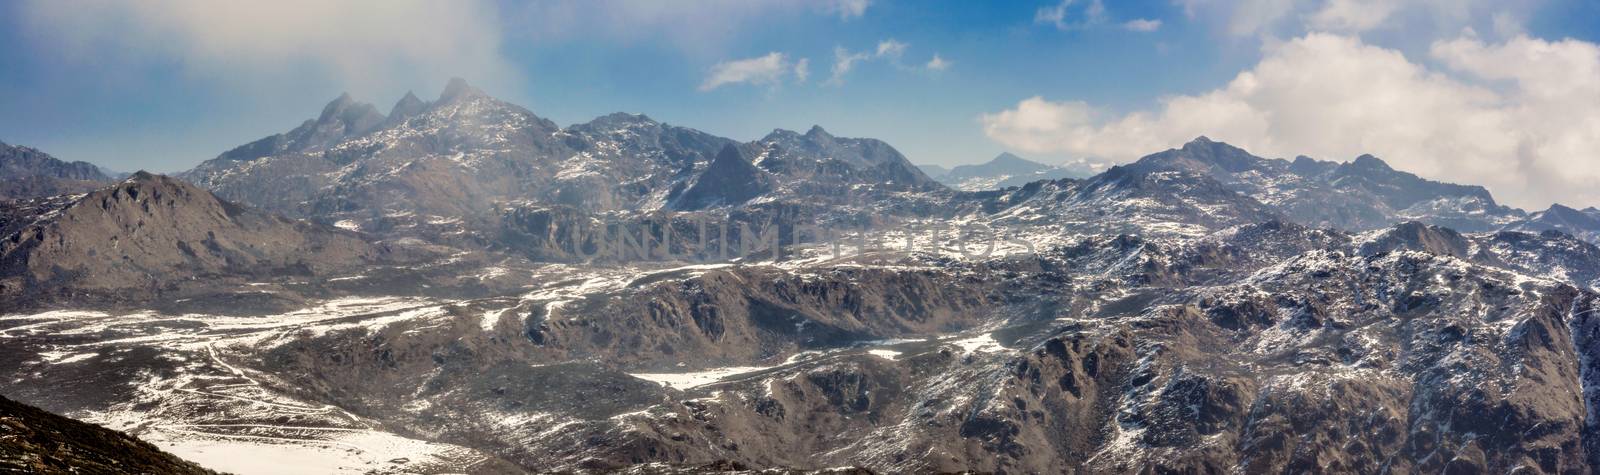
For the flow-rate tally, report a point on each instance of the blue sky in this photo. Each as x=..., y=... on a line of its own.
x=165, y=84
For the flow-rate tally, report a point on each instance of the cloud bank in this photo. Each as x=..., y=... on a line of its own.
x=1516, y=116
x=359, y=43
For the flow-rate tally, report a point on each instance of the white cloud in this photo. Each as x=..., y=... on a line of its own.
x=938, y=63
x=1142, y=25
x=360, y=44
x=891, y=48
x=802, y=69
x=843, y=62
x=1516, y=116
x=848, y=9
x=1060, y=14
x=761, y=70
x=1053, y=15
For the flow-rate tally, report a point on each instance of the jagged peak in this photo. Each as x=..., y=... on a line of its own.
x=729, y=152
x=1560, y=208
x=458, y=88
x=816, y=131
x=346, y=109
x=337, y=105
x=1367, y=161
x=1205, y=143
x=407, y=106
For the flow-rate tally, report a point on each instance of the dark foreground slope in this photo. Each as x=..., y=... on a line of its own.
x=35, y=441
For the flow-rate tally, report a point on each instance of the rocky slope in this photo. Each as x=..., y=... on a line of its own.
x=35, y=441
x=153, y=235
x=29, y=173
x=1264, y=347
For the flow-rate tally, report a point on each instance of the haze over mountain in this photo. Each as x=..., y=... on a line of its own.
x=1005, y=170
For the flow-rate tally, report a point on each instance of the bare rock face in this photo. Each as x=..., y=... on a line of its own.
x=35, y=441
x=151, y=232
x=728, y=180
x=29, y=173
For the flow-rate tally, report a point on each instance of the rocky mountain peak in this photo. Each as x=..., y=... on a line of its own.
x=1007, y=158
x=1566, y=217
x=143, y=176
x=1417, y=236
x=622, y=119
x=1202, y=155
x=458, y=89
x=1371, y=163
x=729, y=179
x=408, y=106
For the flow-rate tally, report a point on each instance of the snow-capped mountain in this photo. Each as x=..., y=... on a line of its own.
x=1584, y=223
x=1199, y=310
x=1361, y=194
x=453, y=165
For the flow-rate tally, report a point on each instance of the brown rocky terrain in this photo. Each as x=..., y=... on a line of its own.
x=26, y=172
x=154, y=235
x=35, y=441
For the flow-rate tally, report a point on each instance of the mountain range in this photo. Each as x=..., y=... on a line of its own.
x=412, y=292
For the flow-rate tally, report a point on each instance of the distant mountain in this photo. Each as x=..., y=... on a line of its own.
x=35, y=441
x=1003, y=164
x=1359, y=195
x=1005, y=170
x=1127, y=199
x=1584, y=223
x=827, y=161
x=448, y=169
x=151, y=235
x=29, y=173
